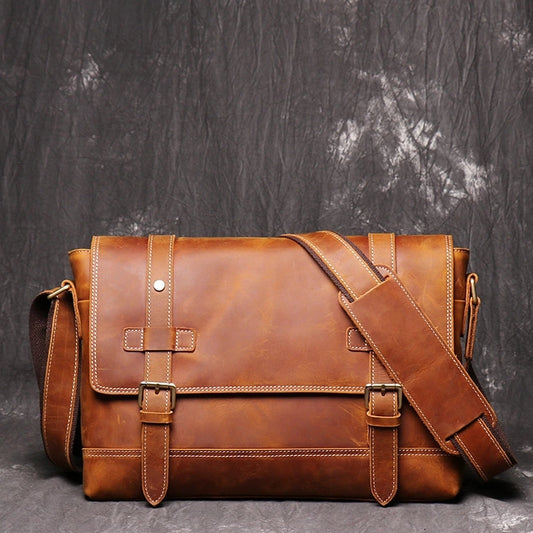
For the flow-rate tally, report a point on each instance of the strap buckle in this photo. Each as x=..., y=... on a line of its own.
x=474, y=298
x=383, y=388
x=65, y=286
x=157, y=386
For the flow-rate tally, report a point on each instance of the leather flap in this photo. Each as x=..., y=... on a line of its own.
x=264, y=317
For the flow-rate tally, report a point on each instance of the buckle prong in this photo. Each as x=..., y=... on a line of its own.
x=383, y=388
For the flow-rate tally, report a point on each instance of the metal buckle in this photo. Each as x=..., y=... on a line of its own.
x=61, y=290
x=473, y=292
x=383, y=388
x=157, y=386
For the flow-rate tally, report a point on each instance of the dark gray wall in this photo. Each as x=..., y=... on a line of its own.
x=261, y=117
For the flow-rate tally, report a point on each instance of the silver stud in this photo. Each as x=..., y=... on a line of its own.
x=159, y=285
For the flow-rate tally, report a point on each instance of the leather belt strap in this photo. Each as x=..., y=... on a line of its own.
x=54, y=336
x=383, y=417
x=372, y=297
x=155, y=393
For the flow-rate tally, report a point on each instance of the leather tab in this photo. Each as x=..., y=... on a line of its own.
x=159, y=339
x=383, y=420
x=382, y=247
x=156, y=403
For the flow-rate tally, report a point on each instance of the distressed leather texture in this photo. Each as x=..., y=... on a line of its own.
x=270, y=402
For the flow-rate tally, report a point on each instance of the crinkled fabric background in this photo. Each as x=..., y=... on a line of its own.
x=247, y=117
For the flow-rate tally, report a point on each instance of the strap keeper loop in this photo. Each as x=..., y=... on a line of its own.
x=376, y=421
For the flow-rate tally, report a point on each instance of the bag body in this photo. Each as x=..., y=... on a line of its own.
x=232, y=367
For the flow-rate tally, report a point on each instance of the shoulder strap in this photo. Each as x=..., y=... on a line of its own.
x=54, y=338
x=373, y=297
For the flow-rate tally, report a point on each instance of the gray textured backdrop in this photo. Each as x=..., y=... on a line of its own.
x=260, y=117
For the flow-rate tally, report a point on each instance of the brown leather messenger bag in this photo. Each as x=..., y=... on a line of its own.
x=233, y=367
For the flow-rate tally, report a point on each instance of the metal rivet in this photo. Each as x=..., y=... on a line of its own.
x=159, y=285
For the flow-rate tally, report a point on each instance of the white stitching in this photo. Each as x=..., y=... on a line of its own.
x=127, y=332
x=355, y=254
x=392, y=251
x=189, y=346
x=325, y=259
x=449, y=291
x=363, y=348
x=68, y=436
x=253, y=388
x=251, y=453
x=472, y=460
x=170, y=288
x=47, y=379
x=140, y=346
x=494, y=441
x=93, y=309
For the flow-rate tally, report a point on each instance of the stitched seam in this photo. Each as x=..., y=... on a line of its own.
x=325, y=259
x=190, y=346
x=449, y=291
x=435, y=454
x=219, y=454
x=252, y=388
x=47, y=380
x=356, y=255
x=307, y=452
x=494, y=441
x=470, y=457
x=94, y=309
x=147, y=373
x=264, y=455
x=111, y=453
x=365, y=347
x=68, y=436
x=149, y=292
x=126, y=341
x=394, y=452
x=170, y=287
x=144, y=458
x=372, y=430
x=392, y=252
x=371, y=237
